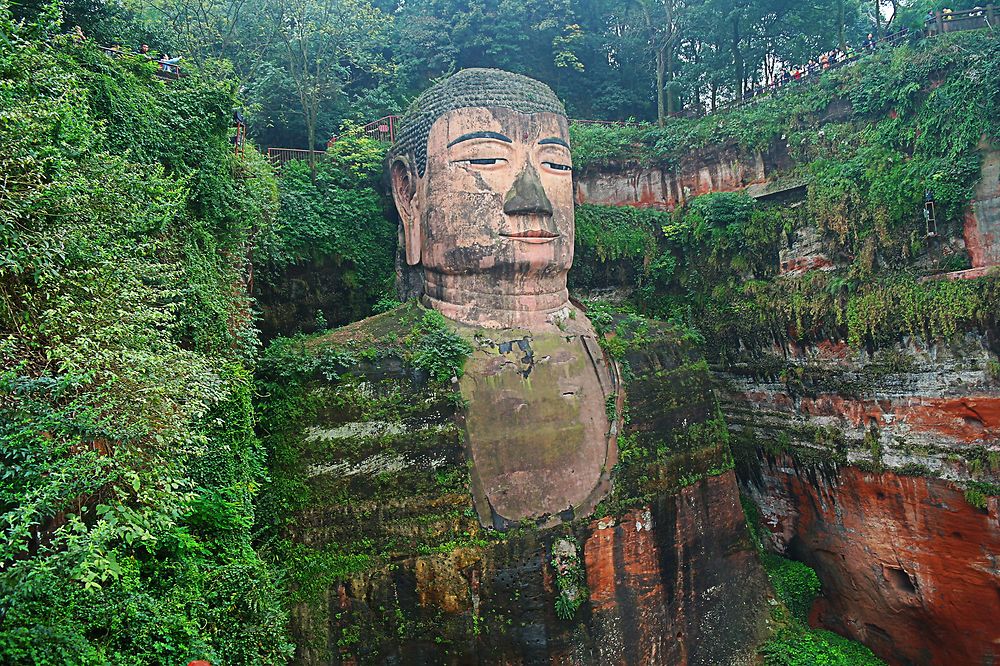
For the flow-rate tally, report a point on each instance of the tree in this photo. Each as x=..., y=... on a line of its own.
x=660, y=18
x=326, y=44
x=234, y=30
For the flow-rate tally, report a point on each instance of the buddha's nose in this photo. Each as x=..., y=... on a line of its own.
x=527, y=196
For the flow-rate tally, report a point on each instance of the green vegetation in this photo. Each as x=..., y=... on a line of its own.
x=352, y=61
x=818, y=646
x=712, y=263
x=357, y=433
x=978, y=493
x=439, y=351
x=127, y=446
x=332, y=247
x=335, y=211
x=794, y=642
x=571, y=580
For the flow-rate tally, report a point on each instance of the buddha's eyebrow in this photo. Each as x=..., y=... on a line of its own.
x=481, y=135
x=553, y=139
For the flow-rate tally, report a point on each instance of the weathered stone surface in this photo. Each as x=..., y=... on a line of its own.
x=675, y=583
x=537, y=423
x=482, y=180
x=289, y=300
x=982, y=219
x=721, y=170
x=661, y=583
x=908, y=567
x=930, y=407
x=485, y=198
x=804, y=253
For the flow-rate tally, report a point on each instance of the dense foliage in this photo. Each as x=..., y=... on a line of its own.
x=128, y=455
x=332, y=231
x=310, y=65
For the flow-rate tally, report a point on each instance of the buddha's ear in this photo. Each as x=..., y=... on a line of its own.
x=404, y=193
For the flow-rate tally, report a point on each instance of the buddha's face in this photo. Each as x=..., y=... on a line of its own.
x=493, y=212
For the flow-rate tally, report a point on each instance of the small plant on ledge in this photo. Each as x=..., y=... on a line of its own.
x=570, y=579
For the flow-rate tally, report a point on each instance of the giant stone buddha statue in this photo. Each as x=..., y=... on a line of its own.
x=483, y=182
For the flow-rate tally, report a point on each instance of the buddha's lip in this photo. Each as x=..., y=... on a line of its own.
x=533, y=236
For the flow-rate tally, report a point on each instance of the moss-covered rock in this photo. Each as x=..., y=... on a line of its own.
x=386, y=559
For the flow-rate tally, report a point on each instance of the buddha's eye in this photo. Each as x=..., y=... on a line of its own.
x=484, y=161
x=555, y=166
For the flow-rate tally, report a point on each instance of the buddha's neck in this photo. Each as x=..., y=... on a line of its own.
x=478, y=300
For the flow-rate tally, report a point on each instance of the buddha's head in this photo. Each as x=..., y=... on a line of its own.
x=482, y=179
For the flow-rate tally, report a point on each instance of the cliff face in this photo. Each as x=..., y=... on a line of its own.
x=390, y=564
x=853, y=459
x=720, y=169
x=877, y=462
x=982, y=219
x=764, y=175
x=673, y=583
x=929, y=408
x=908, y=566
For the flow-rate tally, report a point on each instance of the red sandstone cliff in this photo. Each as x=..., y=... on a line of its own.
x=908, y=567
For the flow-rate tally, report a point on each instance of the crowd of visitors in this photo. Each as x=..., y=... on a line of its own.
x=829, y=60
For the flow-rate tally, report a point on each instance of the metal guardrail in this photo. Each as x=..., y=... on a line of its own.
x=164, y=70
x=281, y=156
x=383, y=129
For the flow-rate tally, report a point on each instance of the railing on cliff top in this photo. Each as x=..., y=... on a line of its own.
x=384, y=129
x=969, y=19
x=165, y=69
x=281, y=156
x=941, y=22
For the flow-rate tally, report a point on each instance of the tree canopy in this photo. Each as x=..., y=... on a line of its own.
x=307, y=67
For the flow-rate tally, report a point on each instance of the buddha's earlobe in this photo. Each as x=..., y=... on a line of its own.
x=404, y=191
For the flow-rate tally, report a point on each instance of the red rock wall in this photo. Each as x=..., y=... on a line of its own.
x=676, y=583
x=908, y=567
x=720, y=170
x=982, y=219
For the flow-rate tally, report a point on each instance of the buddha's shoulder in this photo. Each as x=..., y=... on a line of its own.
x=409, y=343
x=386, y=329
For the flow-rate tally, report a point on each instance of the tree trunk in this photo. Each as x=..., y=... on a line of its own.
x=671, y=95
x=660, y=75
x=738, y=63
x=840, y=25
x=311, y=130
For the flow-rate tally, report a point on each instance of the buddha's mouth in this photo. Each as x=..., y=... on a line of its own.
x=533, y=236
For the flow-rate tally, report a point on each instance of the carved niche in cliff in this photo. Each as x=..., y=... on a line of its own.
x=482, y=179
